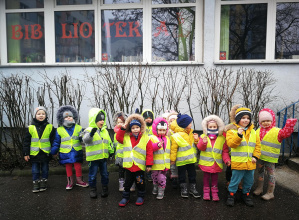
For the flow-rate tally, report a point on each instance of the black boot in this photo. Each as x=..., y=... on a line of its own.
x=104, y=191
x=193, y=191
x=184, y=190
x=230, y=200
x=93, y=192
x=247, y=199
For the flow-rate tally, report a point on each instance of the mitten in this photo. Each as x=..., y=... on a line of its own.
x=93, y=131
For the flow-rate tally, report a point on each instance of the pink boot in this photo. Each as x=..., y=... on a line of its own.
x=80, y=182
x=206, y=193
x=215, y=196
x=70, y=183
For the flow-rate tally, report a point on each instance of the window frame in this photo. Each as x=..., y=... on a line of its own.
x=270, y=32
x=50, y=7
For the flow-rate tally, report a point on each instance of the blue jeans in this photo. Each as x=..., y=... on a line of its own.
x=93, y=170
x=238, y=175
x=40, y=166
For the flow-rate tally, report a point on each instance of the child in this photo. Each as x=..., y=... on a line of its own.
x=271, y=138
x=137, y=156
x=98, y=147
x=36, y=147
x=161, y=149
x=68, y=143
x=245, y=151
x=183, y=153
x=213, y=152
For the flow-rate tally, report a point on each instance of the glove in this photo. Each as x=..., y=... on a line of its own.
x=93, y=131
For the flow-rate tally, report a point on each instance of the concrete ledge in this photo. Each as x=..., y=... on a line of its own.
x=293, y=163
x=287, y=178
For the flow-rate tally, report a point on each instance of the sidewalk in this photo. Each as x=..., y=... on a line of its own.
x=287, y=178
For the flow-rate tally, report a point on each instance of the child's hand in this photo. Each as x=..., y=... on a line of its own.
x=205, y=139
x=27, y=158
x=124, y=126
x=240, y=131
x=148, y=169
x=160, y=144
x=172, y=162
x=228, y=163
x=253, y=160
x=195, y=136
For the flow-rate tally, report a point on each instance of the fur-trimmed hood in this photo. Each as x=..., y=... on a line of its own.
x=218, y=121
x=62, y=109
x=232, y=115
x=155, y=124
x=117, y=114
x=92, y=115
x=139, y=118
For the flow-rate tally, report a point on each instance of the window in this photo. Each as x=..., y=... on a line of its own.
x=23, y=4
x=253, y=31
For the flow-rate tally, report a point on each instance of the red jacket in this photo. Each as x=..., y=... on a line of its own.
x=149, y=148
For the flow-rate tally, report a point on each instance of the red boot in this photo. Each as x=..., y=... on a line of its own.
x=206, y=193
x=215, y=196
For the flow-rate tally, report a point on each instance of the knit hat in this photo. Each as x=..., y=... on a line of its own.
x=135, y=122
x=100, y=117
x=148, y=114
x=40, y=108
x=265, y=116
x=183, y=120
x=240, y=112
x=67, y=114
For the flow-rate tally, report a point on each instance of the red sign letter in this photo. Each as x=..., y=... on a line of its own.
x=108, y=25
x=118, y=28
x=135, y=29
x=16, y=34
x=36, y=34
x=64, y=33
x=89, y=30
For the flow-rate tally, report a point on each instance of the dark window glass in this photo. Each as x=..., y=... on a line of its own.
x=172, y=1
x=122, y=35
x=74, y=36
x=73, y=2
x=25, y=37
x=173, y=34
x=243, y=32
x=23, y=4
x=287, y=31
x=120, y=1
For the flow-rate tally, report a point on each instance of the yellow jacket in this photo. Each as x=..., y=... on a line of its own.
x=233, y=141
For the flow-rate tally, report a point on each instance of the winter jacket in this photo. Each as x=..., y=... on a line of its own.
x=40, y=127
x=73, y=156
x=187, y=135
x=148, y=129
x=149, y=148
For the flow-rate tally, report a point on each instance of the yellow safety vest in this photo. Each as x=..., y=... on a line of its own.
x=186, y=154
x=161, y=157
x=212, y=154
x=42, y=143
x=136, y=154
x=68, y=142
x=270, y=146
x=99, y=148
x=118, y=148
x=244, y=151
x=149, y=130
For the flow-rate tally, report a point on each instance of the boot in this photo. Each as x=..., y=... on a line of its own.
x=174, y=183
x=93, y=192
x=270, y=192
x=36, y=187
x=259, y=188
x=70, y=183
x=230, y=199
x=43, y=185
x=80, y=182
x=215, y=196
x=160, y=193
x=155, y=189
x=247, y=199
x=206, y=193
x=193, y=191
x=132, y=189
x=104, y=191
x=140, y=198
x=121, y=182
x=125, y=200
x=184, y=190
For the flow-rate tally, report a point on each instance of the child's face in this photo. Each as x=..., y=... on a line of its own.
x=245, y=120
x=212, y=126
x=119, y=122
x=171, y=120
x=40, y=115
x=100, y=123
x=135, y=129
x=161, y=132
x=68, y=118
x=266, y=123
x=189, y=126
x=148, y=120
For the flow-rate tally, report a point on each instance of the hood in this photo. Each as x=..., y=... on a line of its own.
x=148, y=110
x=139, y=118
x=62, y=109
x=117, y=114
x=92, y=117
x=155, y=124
x=173, y=113
x=175, y=127
x=215, y=118
x=272, y=114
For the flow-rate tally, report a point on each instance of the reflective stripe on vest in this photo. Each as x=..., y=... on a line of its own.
x=161, y=157
x=270, y=146
x=185, y=153
x=37, y=143
x=68, y=142
x=118, y=148
x=136, y=154
x=99, y=147
x=148, y=130
x=212, y=154
x=244, y=151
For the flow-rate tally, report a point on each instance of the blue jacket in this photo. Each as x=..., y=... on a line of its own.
x=73, y=156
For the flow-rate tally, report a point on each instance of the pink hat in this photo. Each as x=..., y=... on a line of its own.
x=265, y=116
